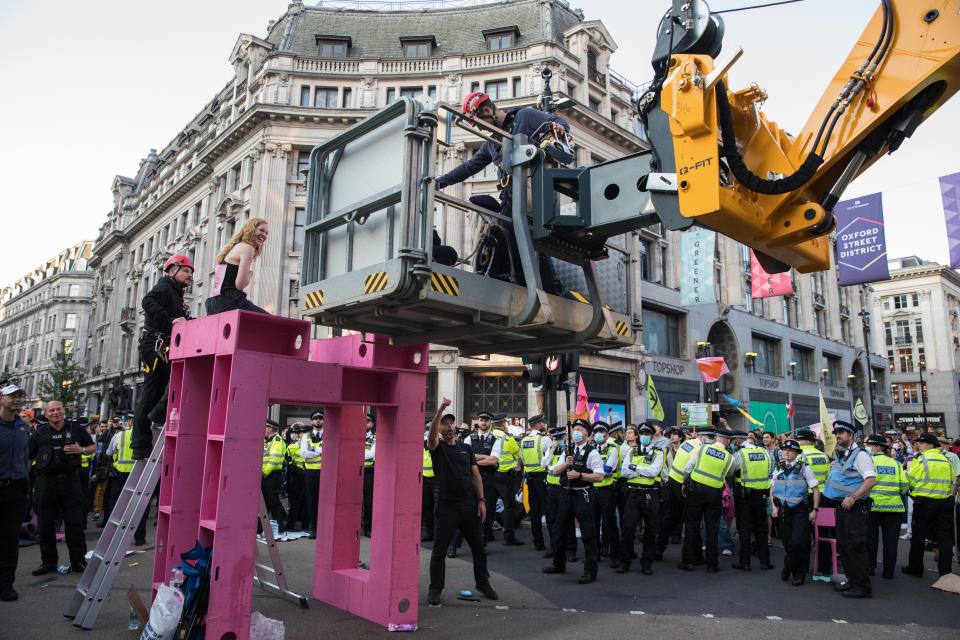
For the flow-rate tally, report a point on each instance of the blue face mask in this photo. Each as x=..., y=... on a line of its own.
x=734, y=447
x=578, y=436
x=644, y=440
x=710, y=441
x=598, y=438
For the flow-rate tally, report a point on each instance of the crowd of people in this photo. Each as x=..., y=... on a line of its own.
x=54, y=473
x=634, y=490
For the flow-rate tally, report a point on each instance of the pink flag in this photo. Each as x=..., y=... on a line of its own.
x=765, y=285
x=581, y=396
x=712, y=368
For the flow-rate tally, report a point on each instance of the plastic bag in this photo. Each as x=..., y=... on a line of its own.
x=264, y=628
x=164, y=614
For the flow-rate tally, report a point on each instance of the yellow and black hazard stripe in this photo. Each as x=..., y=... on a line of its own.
x=375, y=282
x=314, y=299
x=579, y=297
x=622, y=328
x=445, y=284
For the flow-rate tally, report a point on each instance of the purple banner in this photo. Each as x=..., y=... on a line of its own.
x=950, y=192
x=861, y=243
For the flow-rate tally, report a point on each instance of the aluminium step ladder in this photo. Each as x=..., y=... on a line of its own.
x=102, y=568
x=111, y=549
x=262, y=572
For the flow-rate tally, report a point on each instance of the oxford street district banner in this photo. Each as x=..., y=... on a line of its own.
x=861, y=242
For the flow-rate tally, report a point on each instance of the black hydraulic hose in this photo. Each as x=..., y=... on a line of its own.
x=740, y=170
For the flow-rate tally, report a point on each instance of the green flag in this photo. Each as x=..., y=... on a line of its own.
x=860, y=413
x=653, y=400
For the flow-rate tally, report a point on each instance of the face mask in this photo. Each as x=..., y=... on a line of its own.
x=577, y=436
x=709, y=441
x=734, y=447
x=598, y=438
x=644, y=440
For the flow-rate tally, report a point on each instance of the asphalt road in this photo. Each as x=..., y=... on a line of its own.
x=670, y=603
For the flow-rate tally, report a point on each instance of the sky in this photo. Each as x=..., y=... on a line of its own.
x=92, y=86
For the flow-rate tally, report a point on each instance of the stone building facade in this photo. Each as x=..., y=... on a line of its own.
x=918, y=310
x=43, y=312
x=319, y=70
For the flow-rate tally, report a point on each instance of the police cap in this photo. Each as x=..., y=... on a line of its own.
x=599, y=426
x=484, y=415
x=806, y=434
x=273, y=424
x=790, y=443
x=877, y=439
x=535, y=419
x=929, y=438
x=645, y=428
x=580, y=422
x=500, y=417
x=317, y=415
x=840, y=425
x=616, y=427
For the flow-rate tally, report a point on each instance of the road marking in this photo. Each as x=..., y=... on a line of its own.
x=570, y=610
x=708, y=615
x=840, y=621
x=774, y=618
x=502, y=607
x=636, y=613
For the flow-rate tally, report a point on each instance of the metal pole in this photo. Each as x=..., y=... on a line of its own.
x=865, y=320
x=923, y=399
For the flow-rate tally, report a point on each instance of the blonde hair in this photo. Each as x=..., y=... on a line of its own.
x=246, y=235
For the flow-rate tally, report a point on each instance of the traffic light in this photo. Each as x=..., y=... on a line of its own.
x=535, y=373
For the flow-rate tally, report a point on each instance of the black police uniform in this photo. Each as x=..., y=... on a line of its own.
x=576, y=498
x=295, y=487
x=456, y=510
x=162, y=305
x=482, y=444
x=58, y=491
x=311, y=486
x=428, y=503
x=553, y=510
x=643, y=505
x=537, y=488
x=605, y=511
x=14, y=470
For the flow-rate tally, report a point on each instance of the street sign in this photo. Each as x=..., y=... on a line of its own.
x=552, y=363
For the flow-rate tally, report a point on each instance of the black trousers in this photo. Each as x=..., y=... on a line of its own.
x=270, y=488
x=621, y=493
x=367, y=518
x=452, y=516
x=672, y=516
x=852, y=541
x=751, y=507
x=504, y=483
x=537, y=497
x=932, y=518
x=13, y=506
x=60, y=494
x=553, y=510
x=230, y=300
x=795, y=533
x=885, y=525
x=114, y=489
x=703, y=503
x=490, y=497
x=427, y=512
x=605, y=519
x=295, y=494
x=643, y=504
x=153, y=396
x=577, y=503
x=311, y=494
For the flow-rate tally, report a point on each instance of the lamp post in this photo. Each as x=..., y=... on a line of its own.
x=865, y=320
x=923, y=398
x=703, y=351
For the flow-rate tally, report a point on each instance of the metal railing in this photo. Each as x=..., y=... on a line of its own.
x=596, y=76
x=819, y=300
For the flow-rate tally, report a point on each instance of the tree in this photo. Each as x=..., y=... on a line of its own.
x=64, y=383
x=9, y=376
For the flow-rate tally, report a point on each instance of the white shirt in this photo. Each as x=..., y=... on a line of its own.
x=497, y=450
x=309, y=450
x=863, y=463
x=594, y=460
x=114, y=443
x=651, y=471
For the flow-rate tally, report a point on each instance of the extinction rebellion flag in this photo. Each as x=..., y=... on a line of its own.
x=861, y=242
x=766, y=285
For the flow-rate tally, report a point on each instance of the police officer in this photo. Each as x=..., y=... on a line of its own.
x=675, y=501
x=582, y=467
x=932, y=486
x=295, y=482
x=14, y=473
x=163, y=307
x=795, y=500
x=505, y=480
x=429, y=488
x=751, y=493
x=369, y=456
x=532, y=450
x=57, y=446
x=641, y=470
x=555, y=452
x=849, y=482
x=620, y=486
x=120, y=452
x=813, y=457
x=703, y=478
x=274, y=451
x=887, y=510
x=487, y=449
x=605, y=506
x=311, y=450
x=460, y=503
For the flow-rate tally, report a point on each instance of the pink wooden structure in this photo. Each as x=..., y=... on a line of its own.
x=226, y=370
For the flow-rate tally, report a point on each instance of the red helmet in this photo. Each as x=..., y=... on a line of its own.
x=471, y=104
x=180, y=261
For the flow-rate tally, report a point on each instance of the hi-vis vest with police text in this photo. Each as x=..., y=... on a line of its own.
x=123, y=457
x=713, y=463
x=608, y=477
x=754, y=469
x=818, y=461
x=273, y=452
x=644, y=460
x=509, y=451
x=682, y=456
x=891, y=483
x=315, y=463
x=531, y=453
x=930, y=475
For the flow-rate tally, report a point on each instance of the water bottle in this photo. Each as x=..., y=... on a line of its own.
x=134, y=622
x=63, y=569
x=173, y=422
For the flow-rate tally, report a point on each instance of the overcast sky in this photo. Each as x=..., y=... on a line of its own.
x=92, y=86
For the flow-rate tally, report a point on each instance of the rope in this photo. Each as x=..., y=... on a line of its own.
x=757, y=6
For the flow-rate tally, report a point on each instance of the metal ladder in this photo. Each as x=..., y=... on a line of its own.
x=261, y=575
x=111, y=549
